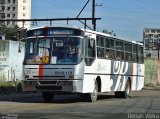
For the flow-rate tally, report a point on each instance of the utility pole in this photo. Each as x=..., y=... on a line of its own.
x=93, y=15
x=94, y=4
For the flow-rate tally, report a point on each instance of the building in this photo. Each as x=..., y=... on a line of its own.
x=11, y=58
x=15, y=9
x=151, y=37
x=2, y=37
x=2, y=9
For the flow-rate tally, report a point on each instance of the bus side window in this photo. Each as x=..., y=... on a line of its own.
x=135, y=59
x=89, y=51
x=112, y=54
x=140, y=54
x=107, y=54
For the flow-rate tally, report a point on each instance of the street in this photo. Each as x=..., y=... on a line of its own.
x=146, y=101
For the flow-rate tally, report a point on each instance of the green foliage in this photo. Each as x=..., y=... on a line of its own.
x=109, y=32
x=2, y=2
x=12, y=33
x=7, y=84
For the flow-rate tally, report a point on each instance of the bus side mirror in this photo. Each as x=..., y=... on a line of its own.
x=91, y=42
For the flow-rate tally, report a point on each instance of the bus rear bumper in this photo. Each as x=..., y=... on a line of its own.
x=72, y=86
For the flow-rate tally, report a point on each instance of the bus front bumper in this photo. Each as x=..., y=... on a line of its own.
x=71, y=86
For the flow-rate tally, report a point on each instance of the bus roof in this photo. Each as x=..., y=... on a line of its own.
x=89, y=31
x=57, y=27
x=111, y=36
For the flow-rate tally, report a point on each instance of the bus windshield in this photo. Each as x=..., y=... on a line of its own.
x=54, y=50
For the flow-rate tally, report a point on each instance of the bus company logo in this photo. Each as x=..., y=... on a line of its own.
x=100, y=67
x=119, y=69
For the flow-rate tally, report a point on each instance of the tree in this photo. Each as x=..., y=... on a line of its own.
x=12, y=33
x=109, y=32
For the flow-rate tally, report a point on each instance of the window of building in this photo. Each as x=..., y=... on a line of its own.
x=8, y=15
x=13, y=15
x=13, y=22
x=14, y=1
x=8, y=8
x=153, y=31
x=24, y=14
x=158, y=31
x=147, y=31
x=3, y=16
x=24, y=1
x=14, y=8
x=24, y=7
x=8, y=22
x=3, y=8
x=9, y=1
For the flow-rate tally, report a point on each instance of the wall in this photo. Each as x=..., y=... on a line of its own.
x=152, y=71
x=4, y=60
x=11, y=55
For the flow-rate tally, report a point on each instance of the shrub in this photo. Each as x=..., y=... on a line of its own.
x=10, y=87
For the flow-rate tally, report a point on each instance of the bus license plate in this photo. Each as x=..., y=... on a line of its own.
x=64, y=72
x=30, y=88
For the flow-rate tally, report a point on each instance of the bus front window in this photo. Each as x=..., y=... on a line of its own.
x=38, y=51
x=54, y=50
x=66, y=50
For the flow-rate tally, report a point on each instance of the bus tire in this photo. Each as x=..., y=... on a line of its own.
x=47, y=96
x=92, y=97
x=118, y=94
x=127, y=91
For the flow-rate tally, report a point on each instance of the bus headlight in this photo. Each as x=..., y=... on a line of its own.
x=73, y=77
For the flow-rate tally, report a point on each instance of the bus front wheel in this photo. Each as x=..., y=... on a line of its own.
x=47, y=96
x=92, y=97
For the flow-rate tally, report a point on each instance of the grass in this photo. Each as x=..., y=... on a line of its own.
x=10, y=87
x=8, y=84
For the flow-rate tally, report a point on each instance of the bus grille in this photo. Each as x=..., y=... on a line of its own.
x=48, y=87
x=48, y=82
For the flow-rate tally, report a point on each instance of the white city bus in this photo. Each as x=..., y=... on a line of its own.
x=86, y=62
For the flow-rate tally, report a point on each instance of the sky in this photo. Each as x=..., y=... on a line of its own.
x=127, y=18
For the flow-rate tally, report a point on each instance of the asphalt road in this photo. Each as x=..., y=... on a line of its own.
x=143, y=104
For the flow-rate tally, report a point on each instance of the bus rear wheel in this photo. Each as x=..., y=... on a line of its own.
x=47, y=96
x=125, y=93
x=118, y=94
x=92, y=97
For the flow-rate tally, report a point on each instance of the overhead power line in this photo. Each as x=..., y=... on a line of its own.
x=53, y=19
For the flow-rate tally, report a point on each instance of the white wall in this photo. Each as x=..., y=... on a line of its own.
x=11, y=67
